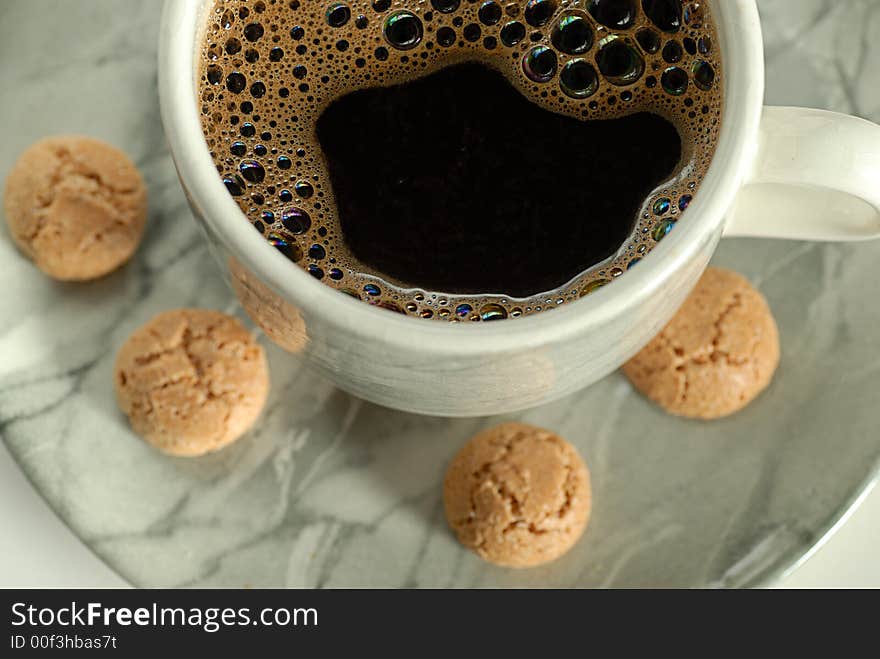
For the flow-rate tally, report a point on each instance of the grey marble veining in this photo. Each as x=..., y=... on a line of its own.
x=331, y=491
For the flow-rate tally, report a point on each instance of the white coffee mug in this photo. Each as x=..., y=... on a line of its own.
x=777, y=172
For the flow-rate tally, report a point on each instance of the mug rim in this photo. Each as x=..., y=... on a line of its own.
x=739, y=26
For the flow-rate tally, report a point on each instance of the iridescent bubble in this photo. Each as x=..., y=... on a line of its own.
x=296, y=220
x=372, y=290
x=235, y=82
x=616, y=14
x=445, y=6
x=539, y=12
x=338, y=14
x=704, y=75
x=693, y=15
x=233, y=46
x=463, y=310
x=446, y=36
x=690, y=45
x=303, y=189
x=684, y=202
x=578, y=79
x=252, y=171
x=238, y=148
x=381, y=5
x=284, y=162
x=227, y=19
x=489, y=13
x=662, y=206
x=426, y=313
x=539, y=64
x=512, y=33
x=674, y=81
x=317, y=252
x=665, y=14
x=615, y=272
x=403, y=30
x=471, y=32
x=235, y=185
x=253, y=32
x=594, y=285
x=704, y=45
x=633, y=263
x=215, y=74
x=649, y=40
x=285, y=245
x=336, y=274
x=268, y=217
x=572, y=34
x=315, y=271
x=661, y=229
x=492, y=311
x=672, y=52
x=620, y=63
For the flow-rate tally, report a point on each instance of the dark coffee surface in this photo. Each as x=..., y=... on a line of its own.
x=456, y=181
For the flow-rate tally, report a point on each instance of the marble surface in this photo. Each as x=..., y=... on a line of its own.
x=331, y=491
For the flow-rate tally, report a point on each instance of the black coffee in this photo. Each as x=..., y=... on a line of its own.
x=434, y=185
x=462, y=160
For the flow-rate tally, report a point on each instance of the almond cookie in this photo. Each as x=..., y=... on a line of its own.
x=715, y=356
x=76, y=207
x=517, y=495
x=191, y=381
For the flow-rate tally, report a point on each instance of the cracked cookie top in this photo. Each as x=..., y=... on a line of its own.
x=517, y=495
x=191, y=381
x=716, y=355
x=76, y=207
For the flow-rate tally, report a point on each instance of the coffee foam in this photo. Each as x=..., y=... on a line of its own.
x=271, y=67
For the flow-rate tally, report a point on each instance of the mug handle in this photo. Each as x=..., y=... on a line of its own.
x=816, y=177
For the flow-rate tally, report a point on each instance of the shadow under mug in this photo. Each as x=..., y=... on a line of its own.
x=777, y=172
